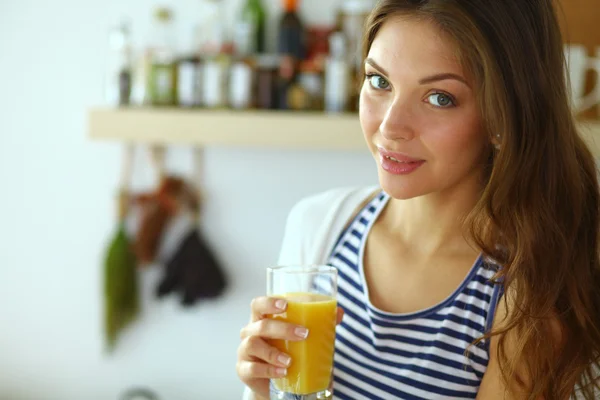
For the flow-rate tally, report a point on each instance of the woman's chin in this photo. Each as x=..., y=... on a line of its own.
x=400, y=189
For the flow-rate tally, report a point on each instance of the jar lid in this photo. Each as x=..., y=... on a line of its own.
x=268, y=61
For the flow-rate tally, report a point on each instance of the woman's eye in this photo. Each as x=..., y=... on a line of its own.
x=378, y=82
x=441, y=100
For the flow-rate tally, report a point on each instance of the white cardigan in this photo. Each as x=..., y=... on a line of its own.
x=313, y=227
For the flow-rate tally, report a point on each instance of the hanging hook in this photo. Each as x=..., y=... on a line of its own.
x=125, y=180
x=198, y=177
x=157, y=154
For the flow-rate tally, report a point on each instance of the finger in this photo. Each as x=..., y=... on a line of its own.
x=254, y=347
x=340, y=315
x=261, y=306
x=254, y=370
x=273, y=329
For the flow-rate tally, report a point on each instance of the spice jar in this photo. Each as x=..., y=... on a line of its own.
x=189, y=80
x=267, y=72
x=214, y=82
x=311, y=80
x=240, y=85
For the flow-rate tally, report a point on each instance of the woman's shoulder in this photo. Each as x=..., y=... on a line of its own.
x=315, y=221
x=328, y=207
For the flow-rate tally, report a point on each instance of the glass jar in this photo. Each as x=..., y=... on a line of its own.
x=163, y=70
x=267, y=75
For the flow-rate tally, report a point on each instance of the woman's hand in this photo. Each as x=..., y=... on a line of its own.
x=258, y=361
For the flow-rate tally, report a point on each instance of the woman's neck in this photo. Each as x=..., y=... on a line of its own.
x=432, y=223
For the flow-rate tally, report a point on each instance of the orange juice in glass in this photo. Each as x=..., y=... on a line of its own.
x=311, y=293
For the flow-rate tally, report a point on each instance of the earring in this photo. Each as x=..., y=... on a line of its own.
x=497, y=144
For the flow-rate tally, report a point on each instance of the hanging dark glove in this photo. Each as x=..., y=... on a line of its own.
x=191, y=268
x=193, y=271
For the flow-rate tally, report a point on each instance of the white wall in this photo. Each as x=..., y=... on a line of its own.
x=57, y=212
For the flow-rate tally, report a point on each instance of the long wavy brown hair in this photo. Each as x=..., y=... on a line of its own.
x=538, y=215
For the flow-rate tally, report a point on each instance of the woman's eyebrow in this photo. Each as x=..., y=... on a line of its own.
x=442, y=77
x=423, y=81
x=372, y=63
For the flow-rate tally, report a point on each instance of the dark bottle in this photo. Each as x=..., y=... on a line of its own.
x=267, y=73
x=291, y=37
x=119, y=79
x=291, y=45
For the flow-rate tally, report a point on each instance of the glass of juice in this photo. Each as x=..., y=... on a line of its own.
x=311, y=293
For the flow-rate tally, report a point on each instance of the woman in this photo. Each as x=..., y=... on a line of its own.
x=474, y=271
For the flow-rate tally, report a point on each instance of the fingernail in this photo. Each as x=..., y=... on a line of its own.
x=284, y=359
x=281, y=371
x=301, y=332
x=280, y=304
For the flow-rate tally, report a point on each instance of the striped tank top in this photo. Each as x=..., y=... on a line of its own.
x=420, y=355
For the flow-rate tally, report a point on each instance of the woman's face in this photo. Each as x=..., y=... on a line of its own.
x=419, y=113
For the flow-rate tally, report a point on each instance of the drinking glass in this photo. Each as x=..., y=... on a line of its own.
x=311, y=293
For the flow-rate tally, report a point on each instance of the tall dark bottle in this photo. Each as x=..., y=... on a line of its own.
x=291, y=45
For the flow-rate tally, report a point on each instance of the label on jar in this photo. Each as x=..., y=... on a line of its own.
x=240, y=86
x=188, y=85
x=213, y=84
x=163, y=84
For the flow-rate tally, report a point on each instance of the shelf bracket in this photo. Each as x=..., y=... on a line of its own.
x=157, y=155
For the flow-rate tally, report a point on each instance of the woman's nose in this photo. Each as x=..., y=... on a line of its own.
x=397, y=122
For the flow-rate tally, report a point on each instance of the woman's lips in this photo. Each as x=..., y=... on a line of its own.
x=398, y=163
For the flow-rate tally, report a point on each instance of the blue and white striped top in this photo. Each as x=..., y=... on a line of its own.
x=420, y=355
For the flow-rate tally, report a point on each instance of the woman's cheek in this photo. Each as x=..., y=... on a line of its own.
x=369, y=114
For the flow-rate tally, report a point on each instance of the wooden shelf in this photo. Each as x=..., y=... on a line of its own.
x=247, y=128
x=228, y=128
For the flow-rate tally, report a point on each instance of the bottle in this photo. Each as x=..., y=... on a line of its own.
x=212, y=32
x=215, y=80
x=310, y=78
x=163, y=70
x=250, y=29
x=291, y=45
x=337, y=75
x=291, y=35
x=215, y=50
x=189, y=81
x=352, y=16
x=267, y=71
x=241, y=85
x=140, y=91
x=119, y=72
